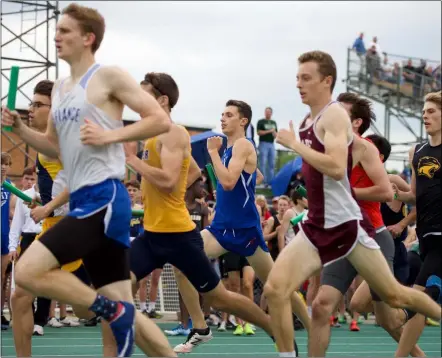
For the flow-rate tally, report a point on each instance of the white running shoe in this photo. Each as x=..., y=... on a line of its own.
x=194, y=339
x=69, y=322
x=222, y=327
x=53, y=322
x=38, y=330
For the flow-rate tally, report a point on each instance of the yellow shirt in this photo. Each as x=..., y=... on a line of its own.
x=165, y=212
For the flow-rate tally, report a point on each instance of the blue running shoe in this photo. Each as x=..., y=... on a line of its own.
x=177, y=331
x=123, y=328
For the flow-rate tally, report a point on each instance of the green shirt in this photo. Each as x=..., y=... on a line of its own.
x=265, y=125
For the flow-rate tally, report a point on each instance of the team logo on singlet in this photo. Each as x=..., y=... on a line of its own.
x=428, y=166
x=307, y=142
x=69, y=114
x=5, y=195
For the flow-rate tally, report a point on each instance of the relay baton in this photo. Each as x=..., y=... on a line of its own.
x=212, y=175
x=12, y=93
x=297, y=219
x=17, y=192
x=301, y=191
x=137, y=213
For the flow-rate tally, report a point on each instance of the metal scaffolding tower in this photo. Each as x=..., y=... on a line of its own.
x=28, y=29
x=402, y=105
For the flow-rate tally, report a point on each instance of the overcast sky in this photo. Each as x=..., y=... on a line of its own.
x=244, y=50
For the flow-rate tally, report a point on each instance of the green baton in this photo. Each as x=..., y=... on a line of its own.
x=17, y=192
x=12, y=93
x=212, y=175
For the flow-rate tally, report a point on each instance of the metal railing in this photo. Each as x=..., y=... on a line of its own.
x=401, y=81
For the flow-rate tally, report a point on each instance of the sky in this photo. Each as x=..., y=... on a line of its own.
x=218, y=51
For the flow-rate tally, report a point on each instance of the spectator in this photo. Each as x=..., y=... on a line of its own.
x=387, y=69
x=262, y=202
x=250, y=133
x=359, y=47
x=274, y=208
x=395, y=74
x=408, y=71
x=267, y=129
x=376, y=45
x=419, y=79
x=436, y=76
x=373, y=63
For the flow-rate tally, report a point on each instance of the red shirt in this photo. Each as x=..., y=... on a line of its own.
x=360, y=179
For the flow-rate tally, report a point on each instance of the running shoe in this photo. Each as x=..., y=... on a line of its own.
x=38, y=330
x=342, y=319
x=239, y=331
x=222, y=326
x=354, y=326
x=194, y=339
x=69, y=322
x=55, y=323
x=177, y=331
x=248, y=329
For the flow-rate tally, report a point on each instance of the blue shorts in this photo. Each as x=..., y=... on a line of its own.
x=5, y=244
x=243, y=242
x=111, y=195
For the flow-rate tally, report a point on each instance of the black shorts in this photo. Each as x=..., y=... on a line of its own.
x=26, y=240
x=184, y=250
x=431, y=256
x=105, y=260
x=231, y=262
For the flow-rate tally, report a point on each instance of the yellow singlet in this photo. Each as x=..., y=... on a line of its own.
x=47, y=171
x=165, y=212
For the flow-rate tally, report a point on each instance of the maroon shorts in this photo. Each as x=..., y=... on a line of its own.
x=337, y=242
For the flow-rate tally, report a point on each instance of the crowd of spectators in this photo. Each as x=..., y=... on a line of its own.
x=376, y=65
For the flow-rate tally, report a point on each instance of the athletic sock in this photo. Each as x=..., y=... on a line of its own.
x=151, y=306
x=142, y=306
x=203, y=332
x=105, y=308
x=287, y=354
x=309, y=311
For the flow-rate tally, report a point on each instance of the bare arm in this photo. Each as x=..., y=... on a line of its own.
x=262, y=132
x=333, y=162
x=409, y=197
x=154, y=120
x=172, y=155
x=381, y=190
x=285, y=224
x=194, y=172
x=268, y=234
x=12, y=204
x=57, y=202
x=400, y=183
x=259, y=177
x=228, y=177
x=409, y=219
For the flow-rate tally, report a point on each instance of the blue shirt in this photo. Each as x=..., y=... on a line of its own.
x=359, y=46
x=236, y=209
x=6, y=198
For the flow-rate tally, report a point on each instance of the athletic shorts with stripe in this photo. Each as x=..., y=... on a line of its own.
x=340, y=274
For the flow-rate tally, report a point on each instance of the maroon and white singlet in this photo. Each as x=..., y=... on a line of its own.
x=334, y=222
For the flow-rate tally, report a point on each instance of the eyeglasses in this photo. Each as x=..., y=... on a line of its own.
x=38, y=105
